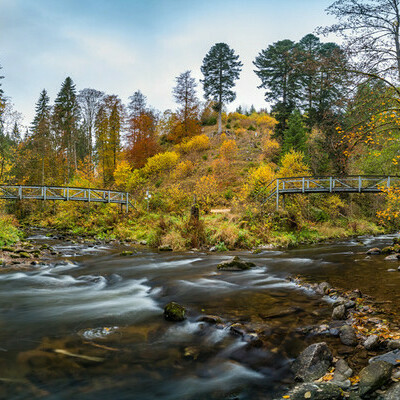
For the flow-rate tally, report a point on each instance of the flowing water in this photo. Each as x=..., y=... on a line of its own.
x=91, y=325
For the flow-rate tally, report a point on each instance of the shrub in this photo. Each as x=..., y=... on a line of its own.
x=122, y=174
x=183, y=169
x=293, y=165
x=196, y=143
x=259, y=178
x=228, y=149
x=206, y=190
x=161, y=162
x=270, y=147
x=135, y=180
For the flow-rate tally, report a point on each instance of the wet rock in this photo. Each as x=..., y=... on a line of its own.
x=374, y=376
x=211, y=319
x=388, y=250
x=235, y=264
x=165, y=247
x=393, y=358
x=313, y=362
x=393, y=393
x=174, y=312
x=348, y=336
x=323, y=288
x=143, y=242
x=392, y=270
x=350, y=304
x=339, y=312
x=340, y=380
x=24, y=254
x=393, y=344
x=372, y=342
x=315, y=391
x=238, y=329
x=213, y=248
x=343, y=368
x=8, y=249
x=374, y=251
x=126, y=253
x=393, y=257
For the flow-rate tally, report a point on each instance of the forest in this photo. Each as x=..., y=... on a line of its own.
x=331, y=109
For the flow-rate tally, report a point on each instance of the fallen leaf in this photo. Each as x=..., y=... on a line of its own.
x=307, y=395
x=67, y=353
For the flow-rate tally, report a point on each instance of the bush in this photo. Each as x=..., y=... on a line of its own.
x=196, y=143
x=228, y=149
x=183, y=169
x=161, y=162
x=9, y=233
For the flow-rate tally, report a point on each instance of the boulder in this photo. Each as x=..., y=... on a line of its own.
x=315, y=391
x=388, y=250
x=323, y=288
x=339, y=312
x=235, y=264
x=393, y=358
x=126, y=253
x=393, y=393
x=371, y=342
x=374, y=376
x=374, y=251
x=313, y=362
x=174, y=312
x=343, y=368
x=393, y=257
x=348, y=336
x=211, y=319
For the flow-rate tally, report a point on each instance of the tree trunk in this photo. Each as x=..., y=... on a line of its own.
x=220, y=120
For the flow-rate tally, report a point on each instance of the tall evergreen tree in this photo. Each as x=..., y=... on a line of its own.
x=66, y=122
x=188, y=113
x=221, y=67
x=294, y=137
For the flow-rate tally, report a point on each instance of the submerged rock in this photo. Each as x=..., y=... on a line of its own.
x=313, y=362
x=348, y=336
x=127, y=253
x=174, y=312
x=374, y=376
x=211, y=319
x=315, y=391
x=235, y=264
x=374, y=251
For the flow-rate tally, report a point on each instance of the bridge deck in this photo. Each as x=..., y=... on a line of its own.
x=20, y=192
x=328, y=184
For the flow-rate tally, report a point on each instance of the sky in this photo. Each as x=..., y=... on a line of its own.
x=121, y=46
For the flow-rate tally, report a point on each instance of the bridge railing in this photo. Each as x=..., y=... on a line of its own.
x=328, y=184
x=20, y=192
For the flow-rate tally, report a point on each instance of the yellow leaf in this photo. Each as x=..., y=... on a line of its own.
x=307, y=395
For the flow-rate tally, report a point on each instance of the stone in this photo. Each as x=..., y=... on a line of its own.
x=213, y=248
x=165, y=247
x=174, y=312
x=393, y=393
x=238, y=329
x=8, y=249
x=388, y=250
x=348, y=336
x=393, y=358
x=339, y=312
x=143, y=242
x=350, y=304
x=374, y=376
x=372, y=342
x=315, y=391
x=126, y=253
x=24, y=254
x=393, y=257
x=211, y=319
x=392, y=270
x=343, y=368
x=374, y=251
x=393, y=344
x=323, y=288
x=340, y=380
x=313, y=362
x=235, y=264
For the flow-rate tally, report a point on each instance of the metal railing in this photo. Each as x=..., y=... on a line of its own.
x=328, y=184
x=22, y=192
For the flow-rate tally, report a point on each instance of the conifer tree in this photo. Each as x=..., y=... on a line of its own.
x=220, y=69
x=294, y=137
x=66, y=122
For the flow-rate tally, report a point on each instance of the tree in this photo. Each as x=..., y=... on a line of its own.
x=141, y=140
x=220, y=69
x=89, y=102
x=41, y=139
x=188, y=114
x=66, y=119
x=371, y=30
x=294, y=137
x=276, y=68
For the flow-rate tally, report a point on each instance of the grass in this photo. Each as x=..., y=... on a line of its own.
x=9, y=232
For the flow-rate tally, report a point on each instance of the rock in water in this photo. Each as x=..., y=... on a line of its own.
x=393, y=357
x=374, y=251
x=374, y=376
x=339, y=312
x=174, y=312
x=348, y=336
x=315, y=391
x=165, y=247
x=313, y=362
x=235, y=264
x=371, y=342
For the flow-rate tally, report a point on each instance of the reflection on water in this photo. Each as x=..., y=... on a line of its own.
x=93, y=327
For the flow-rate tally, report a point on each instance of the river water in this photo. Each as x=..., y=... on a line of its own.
x=90, y=325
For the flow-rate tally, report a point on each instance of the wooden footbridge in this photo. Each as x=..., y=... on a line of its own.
x=22, y=192
x=328, y=184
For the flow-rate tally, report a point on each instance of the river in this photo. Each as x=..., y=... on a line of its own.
x=90, y=324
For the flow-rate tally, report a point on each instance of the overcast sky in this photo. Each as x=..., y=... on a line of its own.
x=120, y=46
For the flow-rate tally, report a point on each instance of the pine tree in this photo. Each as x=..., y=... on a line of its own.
x=220, y=69
x=294, y=137
x=66, y=122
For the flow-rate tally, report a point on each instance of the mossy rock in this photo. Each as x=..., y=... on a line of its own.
x=396, y=240
x=174, y=312
x=127, y=253
x=8, y=249
x=235, y=264
x=388, y=250
x=24, y=254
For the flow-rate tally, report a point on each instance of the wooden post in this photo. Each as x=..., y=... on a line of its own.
x=359, y=184
x=277, y=195
x=127, y=202
x=330, y=184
